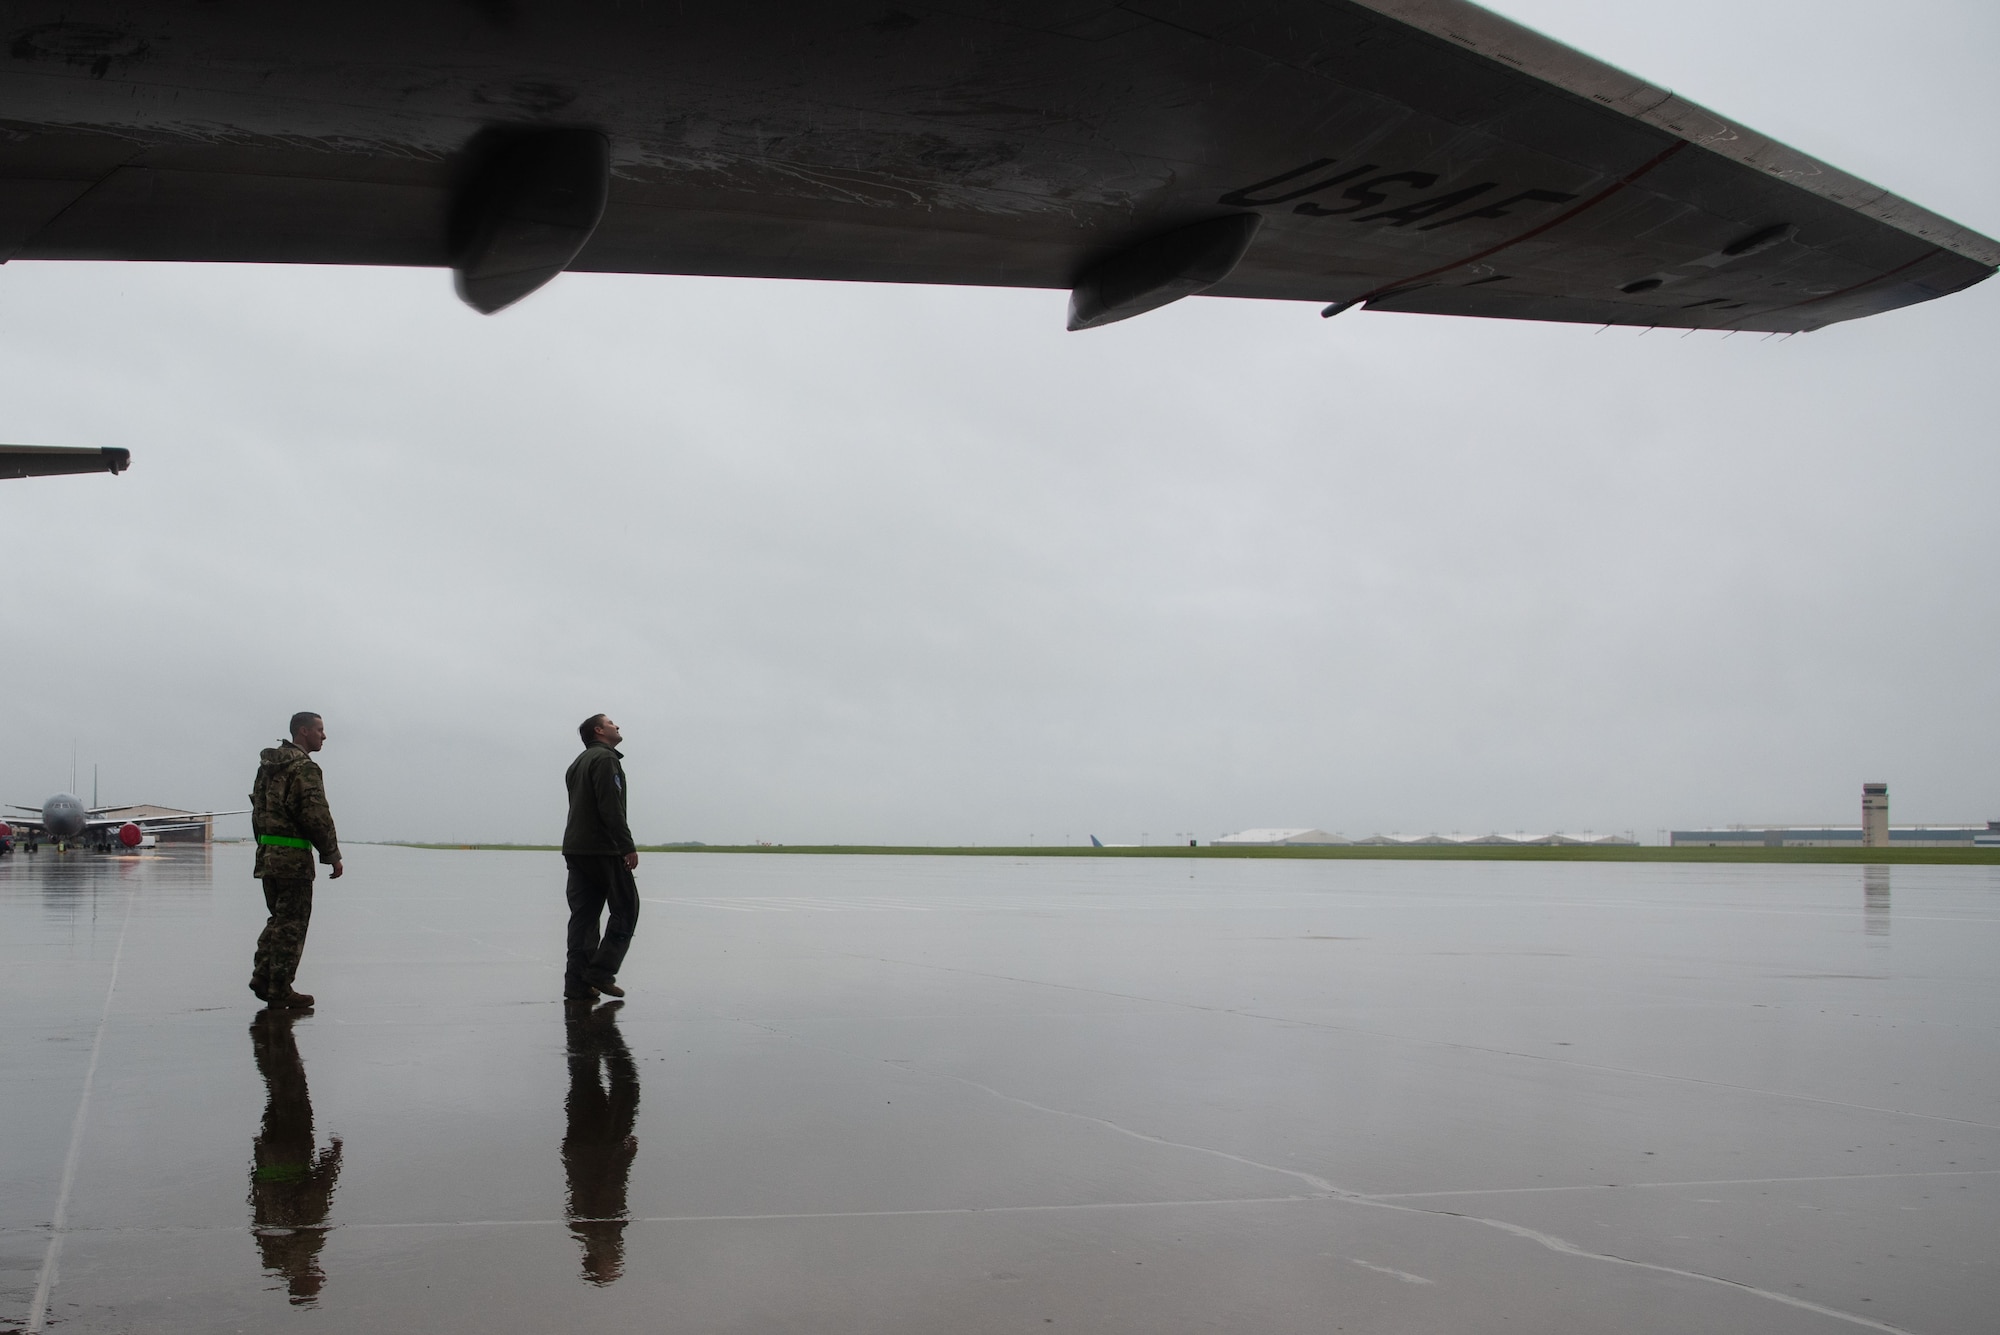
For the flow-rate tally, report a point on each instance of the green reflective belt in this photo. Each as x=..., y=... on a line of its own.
x=282, y=841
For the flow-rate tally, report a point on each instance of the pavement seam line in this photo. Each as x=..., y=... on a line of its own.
x=1330, y=1191
x=1565, y=1247
x=1561, y=1246
x=45, y=1282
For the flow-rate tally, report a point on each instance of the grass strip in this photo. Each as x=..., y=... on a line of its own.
x=1955, y=857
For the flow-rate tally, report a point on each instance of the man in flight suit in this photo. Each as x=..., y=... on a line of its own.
x=597, y=845
x=289, y=816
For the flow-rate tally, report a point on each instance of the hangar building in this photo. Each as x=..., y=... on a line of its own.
x=201, y=831
x=1274, y=836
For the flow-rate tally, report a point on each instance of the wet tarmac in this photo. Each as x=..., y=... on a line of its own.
x=973, y=1095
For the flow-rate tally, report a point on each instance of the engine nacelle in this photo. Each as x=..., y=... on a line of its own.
x=131, y=835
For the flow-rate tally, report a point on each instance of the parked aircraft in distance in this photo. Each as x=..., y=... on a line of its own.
x=64, y=820
x=1095, y=842
x=1418, y=156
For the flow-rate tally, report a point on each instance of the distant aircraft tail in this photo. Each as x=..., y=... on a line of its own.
x=1095, y=842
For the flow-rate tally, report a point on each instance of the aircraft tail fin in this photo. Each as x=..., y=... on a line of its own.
x=1095, y=842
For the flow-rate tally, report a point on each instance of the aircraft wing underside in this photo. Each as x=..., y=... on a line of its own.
x=1409, y=155
x=54, y=460
x=173, y=821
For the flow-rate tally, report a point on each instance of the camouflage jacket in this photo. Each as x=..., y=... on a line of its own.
x=289, y=800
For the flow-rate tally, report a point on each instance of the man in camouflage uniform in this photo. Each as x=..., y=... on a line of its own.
x=289, y=815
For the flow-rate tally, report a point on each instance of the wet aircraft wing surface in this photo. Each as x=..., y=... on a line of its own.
x=1409, y=155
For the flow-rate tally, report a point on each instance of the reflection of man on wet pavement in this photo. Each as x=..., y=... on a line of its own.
x=291, y=1185
x=598, y=1147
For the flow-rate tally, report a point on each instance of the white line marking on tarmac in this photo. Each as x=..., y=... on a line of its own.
x=45, y=1283
x=1403, y=1275
x=1567, y=1248
x=1336, y=1193
x=1549, y=1240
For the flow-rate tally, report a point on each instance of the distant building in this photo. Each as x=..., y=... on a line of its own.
x=1282, y=837
x=1874, y=815
x=199, y=831
x=1521, y=840
x=1295, y=837
x=1873, y=832
x=1841, y=836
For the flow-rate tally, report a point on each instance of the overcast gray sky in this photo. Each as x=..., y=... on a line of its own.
x=856, y=563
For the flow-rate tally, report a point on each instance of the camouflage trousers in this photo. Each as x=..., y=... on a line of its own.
x=290, y=900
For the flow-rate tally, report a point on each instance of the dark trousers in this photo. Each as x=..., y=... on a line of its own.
x=595, y=884
x=290, y=901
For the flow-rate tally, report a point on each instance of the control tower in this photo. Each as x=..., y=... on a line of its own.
x=1874, y=815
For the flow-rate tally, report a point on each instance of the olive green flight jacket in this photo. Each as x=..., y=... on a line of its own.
x=597, y=804
x=288, y=801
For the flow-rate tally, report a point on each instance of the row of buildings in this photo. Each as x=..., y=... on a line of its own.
x=1874, y=831
x=1296, y=838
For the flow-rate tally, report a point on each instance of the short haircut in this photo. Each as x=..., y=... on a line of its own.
x=588, y=728
x=300, y=719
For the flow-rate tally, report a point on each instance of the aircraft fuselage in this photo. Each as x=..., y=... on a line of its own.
x=63, y=816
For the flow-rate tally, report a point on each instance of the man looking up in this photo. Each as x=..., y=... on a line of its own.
x=597, y=845
x=289, y=816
